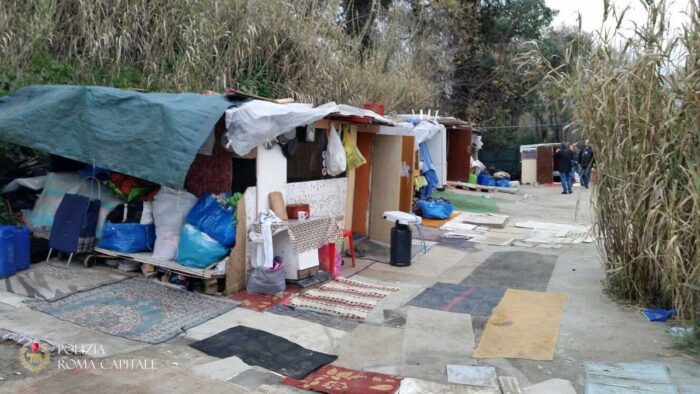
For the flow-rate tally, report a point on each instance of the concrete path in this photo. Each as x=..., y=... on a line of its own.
x=395, y=339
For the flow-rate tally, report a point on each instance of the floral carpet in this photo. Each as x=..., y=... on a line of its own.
x=263, y=302
x=334, y=379
x=137, y=309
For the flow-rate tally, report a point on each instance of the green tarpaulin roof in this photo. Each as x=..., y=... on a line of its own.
x=154, y=136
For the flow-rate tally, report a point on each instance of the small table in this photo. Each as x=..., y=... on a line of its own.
x=305, y=237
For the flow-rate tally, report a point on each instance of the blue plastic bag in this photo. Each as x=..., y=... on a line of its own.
x=198, y=250
x=128, y=237
x=655, y=314
x=214, y=220
x=435, y=208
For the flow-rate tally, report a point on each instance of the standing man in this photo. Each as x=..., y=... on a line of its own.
x=586, y=160
x=565, y=157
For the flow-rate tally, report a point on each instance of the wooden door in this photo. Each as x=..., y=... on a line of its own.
x=545, y=165
x=459, y=143
x=362, y=186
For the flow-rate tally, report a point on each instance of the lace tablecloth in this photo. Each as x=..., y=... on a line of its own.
x=308, y=234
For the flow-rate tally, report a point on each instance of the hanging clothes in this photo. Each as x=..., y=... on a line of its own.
x=264, y=251
x=428, y=171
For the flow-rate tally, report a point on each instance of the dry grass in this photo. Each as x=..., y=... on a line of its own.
x=279, y=48
x=640, y=105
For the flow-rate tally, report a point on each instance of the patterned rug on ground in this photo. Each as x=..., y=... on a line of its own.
x=334, y=379
x=342, y=297
x=263, y=302
x=54, y=280
x=137, y=309
x=262, y=349
x=323, y=319
x=474, y=300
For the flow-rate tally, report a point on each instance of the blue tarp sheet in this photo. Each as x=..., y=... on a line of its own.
x=154, y=136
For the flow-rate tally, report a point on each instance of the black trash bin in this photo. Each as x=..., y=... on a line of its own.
x=400, y=252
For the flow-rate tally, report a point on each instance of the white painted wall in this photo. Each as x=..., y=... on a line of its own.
x=271, y=168
x=326, y=197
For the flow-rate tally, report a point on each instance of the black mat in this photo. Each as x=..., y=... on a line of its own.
x=260, y=348
x=315, y=317
x=474, y=300
x=514, y=270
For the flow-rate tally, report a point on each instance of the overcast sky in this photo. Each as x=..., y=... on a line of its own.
x=592, y=12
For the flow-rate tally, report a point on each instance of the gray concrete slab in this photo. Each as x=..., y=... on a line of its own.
x=222, y=369
x=418, y=386
x=252, y=378
x=309, y=335
x=473, y=375
x=551, y=386
x=165, y=380
x=393, y=301
x=14, y=300
x=369, y=347
x=434, y=339
x=40, y=325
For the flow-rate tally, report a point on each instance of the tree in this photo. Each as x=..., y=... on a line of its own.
x=486, y=88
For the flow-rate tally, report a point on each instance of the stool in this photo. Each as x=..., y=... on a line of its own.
x=348, y=234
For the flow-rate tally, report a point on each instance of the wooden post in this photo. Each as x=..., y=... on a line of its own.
x=236, y=265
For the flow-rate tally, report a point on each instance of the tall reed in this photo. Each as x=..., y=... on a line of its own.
x=281, y=48
x=639, y=103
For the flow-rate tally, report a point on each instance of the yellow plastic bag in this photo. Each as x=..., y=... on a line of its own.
x=353, y=155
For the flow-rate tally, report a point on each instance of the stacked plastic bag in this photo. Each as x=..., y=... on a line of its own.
x=209, y=233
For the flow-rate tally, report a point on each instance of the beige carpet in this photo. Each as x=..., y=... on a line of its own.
x=525, y=324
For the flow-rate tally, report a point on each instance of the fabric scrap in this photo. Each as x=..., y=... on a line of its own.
x=260, y=348
x=524, y=325
x=342, y=297
x=262, y=302
x=335, y=379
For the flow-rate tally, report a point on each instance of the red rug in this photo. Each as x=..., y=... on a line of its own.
x=333, y=379
x=263, y=302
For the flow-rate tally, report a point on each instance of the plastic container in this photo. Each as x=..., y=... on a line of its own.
x=472, y=178
x=400, y=252
x=7, y=251
x=22, y=250
x=14, y=250
x=484, y=179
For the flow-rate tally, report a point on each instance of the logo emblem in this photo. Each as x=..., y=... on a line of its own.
x=35, y=357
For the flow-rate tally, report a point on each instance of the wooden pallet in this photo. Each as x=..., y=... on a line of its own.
x=146, y=258
x=470, y=186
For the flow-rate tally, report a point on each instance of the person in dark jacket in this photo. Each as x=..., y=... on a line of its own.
x=586, y=160
x=564, y=157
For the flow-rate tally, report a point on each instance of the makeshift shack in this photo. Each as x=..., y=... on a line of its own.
x=537, y=163
x=202, y=143
x=459, y=148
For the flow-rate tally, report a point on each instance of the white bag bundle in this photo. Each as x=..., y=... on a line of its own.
x=336, y=162
x=170, y=209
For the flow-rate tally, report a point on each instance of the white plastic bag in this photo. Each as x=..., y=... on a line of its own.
x=170, y=209
x=147, y=213
x=335, y=154
x=577, y=177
